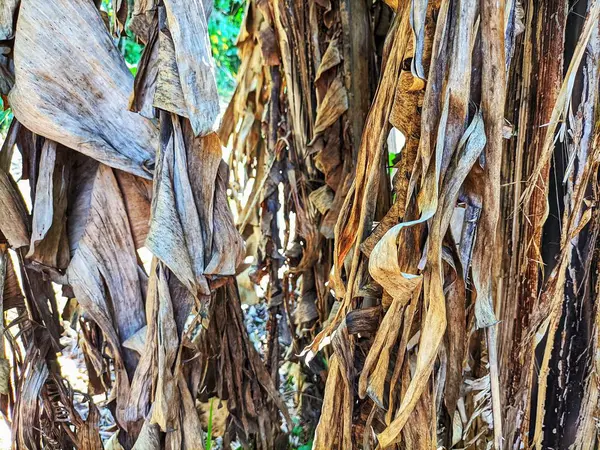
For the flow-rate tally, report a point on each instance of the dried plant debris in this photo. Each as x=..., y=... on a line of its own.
x=461, y=237
x=148, y=338
x=416, y=184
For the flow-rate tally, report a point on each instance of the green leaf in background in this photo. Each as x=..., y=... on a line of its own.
x=223, y=28
x=307, y=446
x=132, y=52
x=130, y=48
x=209, y=430
x=6, y=117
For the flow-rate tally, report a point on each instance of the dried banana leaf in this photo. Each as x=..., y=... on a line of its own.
x=14, y=221
x=73, y=97
x=104, y=272
x=8, y=12
x=188, y=24
x=49, y=234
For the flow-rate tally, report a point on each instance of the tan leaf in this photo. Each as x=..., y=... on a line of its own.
x=104, y=275
x=49, y=236
x=332, y=107
x=331, y=58
x=13, y=220
x=322, y=198
x=168, y=93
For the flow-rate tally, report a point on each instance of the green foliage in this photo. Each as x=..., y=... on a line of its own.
x=301, y=435
x=6, y=117
x=209, y=431
x=127, y=43
x=132, y=52
x=223, y=28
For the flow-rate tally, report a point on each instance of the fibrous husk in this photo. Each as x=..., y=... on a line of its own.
x=25, y=427
x=334, y=430
x=149, y=438
x=4, y=376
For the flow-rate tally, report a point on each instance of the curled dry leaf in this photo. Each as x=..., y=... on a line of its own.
x=186, y=212
x=322, y=198
x=80, y=104
x=332, y=107
x=331, y=58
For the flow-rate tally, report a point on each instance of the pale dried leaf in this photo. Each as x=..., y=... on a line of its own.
x=188, y=25
x=168, y=93
x=104, y=276
x=8, y=9
x=81, y=103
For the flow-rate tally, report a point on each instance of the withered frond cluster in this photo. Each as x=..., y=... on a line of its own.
x=413, y=185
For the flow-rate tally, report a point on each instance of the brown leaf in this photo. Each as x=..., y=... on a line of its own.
x=168, y=93
x=49, y=245
x=104, y=276
x=186, y=211
x=149, y=438
x=137, y=196
x=332, y=107
x=331, y=59
x=14, y=221
x=322, y=198
x=12, y=294
x=268, y=46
